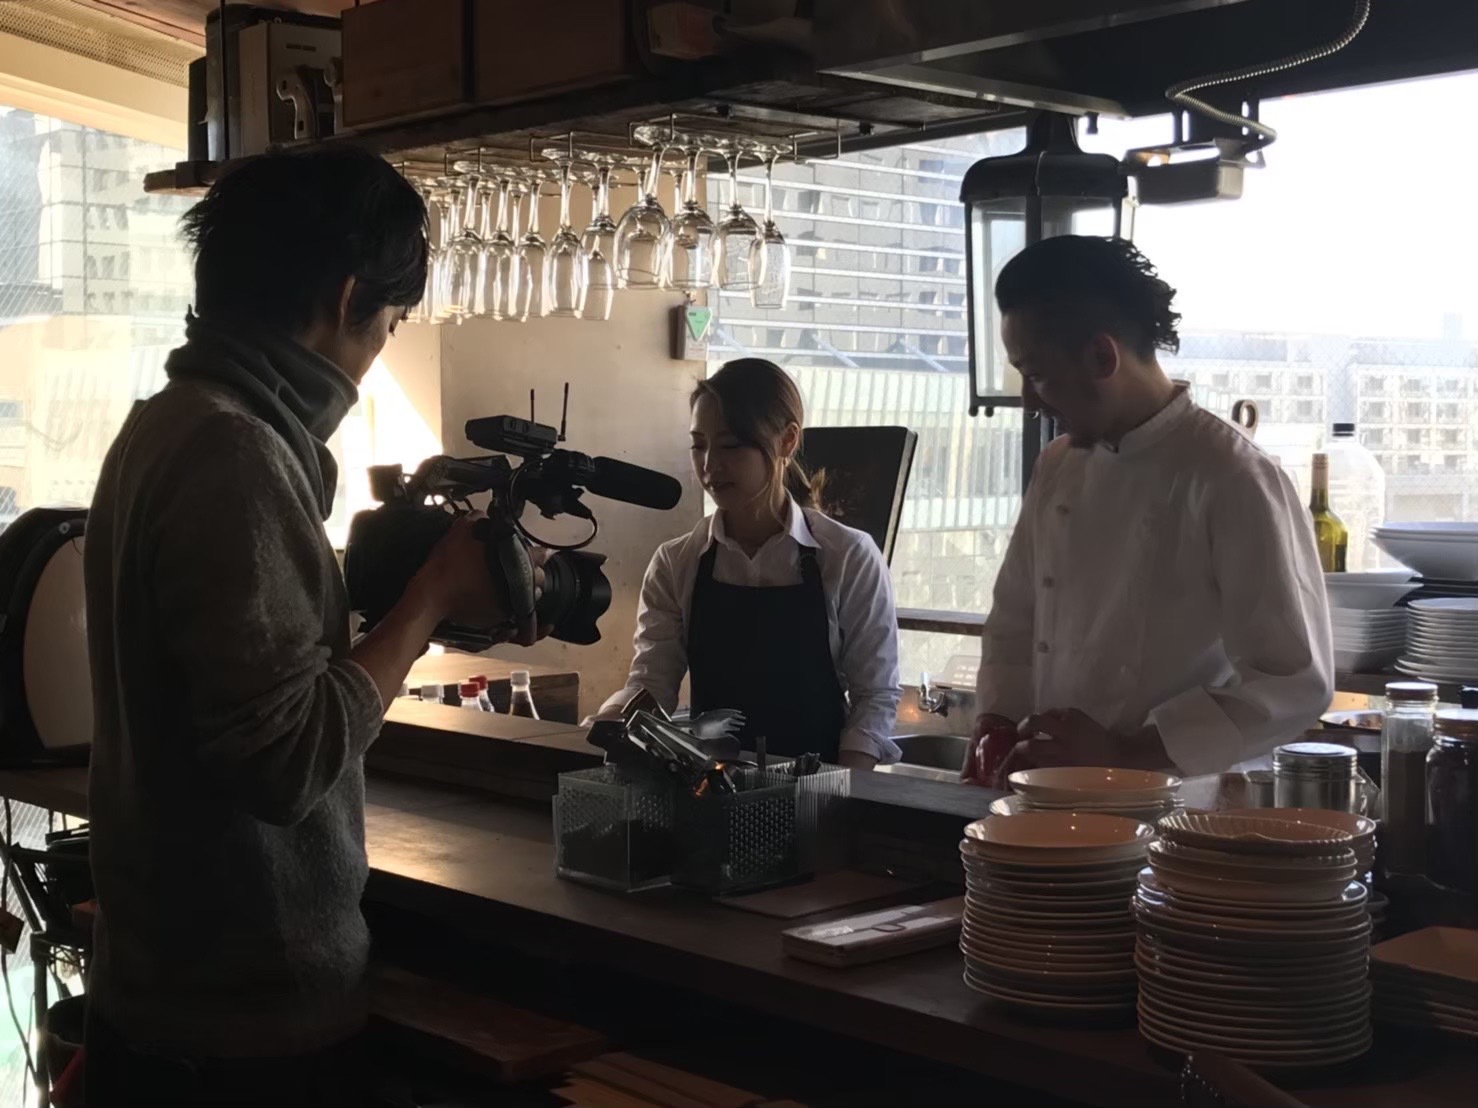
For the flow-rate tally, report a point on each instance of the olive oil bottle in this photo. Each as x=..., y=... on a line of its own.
x=1330, y=533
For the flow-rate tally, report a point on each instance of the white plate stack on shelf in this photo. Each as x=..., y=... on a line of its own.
x=1369, y=630
x=1253, y=941
x=1428, y=979
x=1442, y=640
x=1141, y=795
x=1047, y=926
x=1436, y=551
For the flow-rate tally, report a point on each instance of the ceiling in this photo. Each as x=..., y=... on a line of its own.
x=185, y=19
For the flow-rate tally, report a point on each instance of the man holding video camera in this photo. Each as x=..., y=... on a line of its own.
x=227, y=789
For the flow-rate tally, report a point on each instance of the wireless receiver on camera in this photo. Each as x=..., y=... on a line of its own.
x=389, y=543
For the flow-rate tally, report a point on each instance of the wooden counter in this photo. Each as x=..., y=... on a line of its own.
x=489, y=867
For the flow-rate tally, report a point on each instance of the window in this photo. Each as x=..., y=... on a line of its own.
x=892, y=349
x=1276, y=308
x=82, y=252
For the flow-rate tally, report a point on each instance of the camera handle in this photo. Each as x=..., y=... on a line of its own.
x=509, y=562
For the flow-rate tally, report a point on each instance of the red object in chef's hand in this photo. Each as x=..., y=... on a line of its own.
x=989, y=752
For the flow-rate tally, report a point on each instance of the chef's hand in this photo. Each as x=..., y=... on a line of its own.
x=982, y=763
x=1070, y=737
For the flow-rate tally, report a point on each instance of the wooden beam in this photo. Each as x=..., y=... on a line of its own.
x=185, y=19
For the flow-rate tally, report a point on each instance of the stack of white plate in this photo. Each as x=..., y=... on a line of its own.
x=1253, y=941
x=1135, y=794
x=1047, y=925
x=1442, y=640
x=1367, y=640
x=1428, y=978
x=1442, y=551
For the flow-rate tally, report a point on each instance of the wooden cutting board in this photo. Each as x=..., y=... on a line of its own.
x=827, y=892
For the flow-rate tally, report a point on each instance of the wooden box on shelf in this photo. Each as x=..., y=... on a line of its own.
x=521, y=51
x=405, y=58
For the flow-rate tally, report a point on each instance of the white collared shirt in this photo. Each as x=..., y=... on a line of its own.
x=1173, y=581
x=859, y=601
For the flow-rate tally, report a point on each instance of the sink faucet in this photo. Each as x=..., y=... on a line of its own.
x=934, y=703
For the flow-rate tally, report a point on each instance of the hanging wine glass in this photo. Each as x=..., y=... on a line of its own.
x=498, y=253
x=769, y=255
x=438, y=276
x=510, y=273
x=533, y=297
x=737, y=231
x=599, y=241
x=690, y=256
x=643, y=228
x=464, y=256
x=567, y=262
x=423, y=311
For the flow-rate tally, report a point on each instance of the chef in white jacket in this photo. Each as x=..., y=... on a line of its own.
x=1161, y=603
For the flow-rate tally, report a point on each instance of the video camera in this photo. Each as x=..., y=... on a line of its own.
x=388, y=544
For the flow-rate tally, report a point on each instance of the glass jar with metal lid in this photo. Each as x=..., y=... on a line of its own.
x=1452, y=800
x=1318, y=775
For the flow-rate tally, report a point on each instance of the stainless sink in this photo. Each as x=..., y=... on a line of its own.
x=935, y=757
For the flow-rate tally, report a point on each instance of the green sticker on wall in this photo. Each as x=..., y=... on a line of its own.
x=698, y=320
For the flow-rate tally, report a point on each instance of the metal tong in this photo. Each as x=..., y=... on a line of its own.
x=673, y=750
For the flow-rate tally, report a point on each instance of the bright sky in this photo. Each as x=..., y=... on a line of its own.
x=1364, y=221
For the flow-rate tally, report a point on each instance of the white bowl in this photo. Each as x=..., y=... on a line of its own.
x=1365, y=595
x=1084, y=784
x=1445, y=558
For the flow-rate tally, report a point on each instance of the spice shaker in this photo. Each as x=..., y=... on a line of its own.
x=1317, y=775
x=1452, y=800
x=1406, y=736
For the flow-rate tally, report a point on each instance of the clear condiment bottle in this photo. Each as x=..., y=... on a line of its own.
x=468, y=692
x=1452, y=801
x=484, y=702
x=521, y=698
x=1357, y=491
x=1406, y=736
x=431, y=694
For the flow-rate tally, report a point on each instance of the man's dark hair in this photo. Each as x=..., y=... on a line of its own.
x=276, y=237
x=1084, y=284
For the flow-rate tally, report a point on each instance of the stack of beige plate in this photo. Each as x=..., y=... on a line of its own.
x=1361, y=828
x=1253, y=941
x=1141, y=795
x=1428, y=978
x=1047, y=925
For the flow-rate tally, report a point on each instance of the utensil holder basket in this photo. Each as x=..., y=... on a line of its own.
x=614, y=828
x=821, y=817
x=738, y=842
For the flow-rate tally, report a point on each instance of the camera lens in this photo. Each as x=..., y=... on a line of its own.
x=576, y=594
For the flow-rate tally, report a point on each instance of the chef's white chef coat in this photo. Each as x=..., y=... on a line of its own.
x=862, y=623
x=1172, y=580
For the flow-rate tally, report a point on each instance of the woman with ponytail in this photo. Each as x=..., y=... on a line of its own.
x=769, y=605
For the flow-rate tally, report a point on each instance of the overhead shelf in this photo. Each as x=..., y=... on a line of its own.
x=756, y=95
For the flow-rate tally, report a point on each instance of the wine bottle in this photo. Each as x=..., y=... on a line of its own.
x=1329, y=532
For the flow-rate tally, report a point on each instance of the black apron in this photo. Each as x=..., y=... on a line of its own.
x=767, y=652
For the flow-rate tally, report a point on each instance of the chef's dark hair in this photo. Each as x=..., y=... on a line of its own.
x=759, y=401
x=1085, y=284
x=277, y=235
